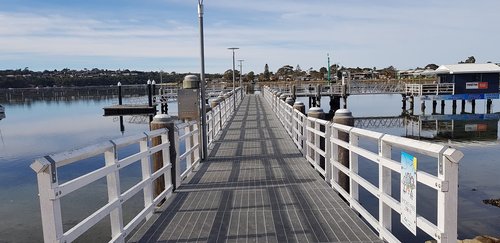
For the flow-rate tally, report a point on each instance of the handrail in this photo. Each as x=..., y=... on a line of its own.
x=51, y=191
x=319, y=142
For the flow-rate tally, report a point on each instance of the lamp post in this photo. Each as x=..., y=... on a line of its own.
x=241, y=74
x=202, y=85
x=329, y=80
x=234, y=76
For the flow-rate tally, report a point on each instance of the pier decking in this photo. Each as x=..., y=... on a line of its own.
x=255, y=187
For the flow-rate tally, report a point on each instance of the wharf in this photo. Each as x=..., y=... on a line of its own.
x=255, y=186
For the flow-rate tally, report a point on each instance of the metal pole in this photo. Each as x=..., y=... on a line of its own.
x=329, y=80
x=241, y=72
x=241, y=75
x=202, y=85
x=234, y=77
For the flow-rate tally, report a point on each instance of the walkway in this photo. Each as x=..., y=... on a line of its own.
x=255, y=187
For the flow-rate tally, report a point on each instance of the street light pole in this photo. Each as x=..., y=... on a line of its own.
x=329, y=80
x=241, y=74
x=202, y=85
x=234, y=77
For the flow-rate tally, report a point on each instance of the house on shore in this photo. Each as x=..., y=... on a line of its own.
x=471, y=81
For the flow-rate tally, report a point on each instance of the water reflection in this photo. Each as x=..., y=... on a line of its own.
x=455, y=127
x=36, y=126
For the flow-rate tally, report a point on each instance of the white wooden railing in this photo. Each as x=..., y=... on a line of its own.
x=51, y=191
x=430, y=89
x=218, y=116
x=308, y=133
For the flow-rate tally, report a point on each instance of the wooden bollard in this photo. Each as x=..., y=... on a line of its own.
x=120, y=99
x=473, y=104
x=299, y=106
x=344, y=117
x=316, y=112
x=294, y=92
x=283, y=97
x=163, y=121
x=290, y=101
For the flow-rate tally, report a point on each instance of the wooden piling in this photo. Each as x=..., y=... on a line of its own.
x=403, y=100
x=442, y=107
x=163, y=121
x=344, y=117
x=463, y=106
x=473, y=103
x=488, y=106
x=434, y=105
x=454, y=107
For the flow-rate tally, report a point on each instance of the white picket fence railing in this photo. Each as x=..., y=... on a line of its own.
x=51, y=191
x=430, y=89
x=319, y=142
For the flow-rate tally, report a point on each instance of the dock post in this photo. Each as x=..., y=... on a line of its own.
x=294, y=92
x=403, y=100
x=163, y=121
x=150, y=98
x=473, y=103
x=120, y=100
x=344, y=117
x=299, y=106
x=442, y=107
x=290, y=101
x=488, y=106
x=318, y=95
x=310, y=101
x=422, y=106
x=434, y=105
x=463, y=107
x=454, y=107
x=412, y=103
x=317, y=112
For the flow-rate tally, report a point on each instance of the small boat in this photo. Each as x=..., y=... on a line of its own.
x=2, y=109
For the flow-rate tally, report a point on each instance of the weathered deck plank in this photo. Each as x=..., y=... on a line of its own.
x=255, y=187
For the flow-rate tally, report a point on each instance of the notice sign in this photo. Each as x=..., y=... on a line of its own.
x=409, y=192
x=476, y=85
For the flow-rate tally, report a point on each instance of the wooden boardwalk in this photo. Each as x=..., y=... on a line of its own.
x=255, y=187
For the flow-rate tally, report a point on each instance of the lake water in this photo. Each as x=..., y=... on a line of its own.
x=37, y=128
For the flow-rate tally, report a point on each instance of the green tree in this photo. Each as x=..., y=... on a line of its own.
x=267, y=75
x=470, y=59
x=250, y=76
x=228, y=75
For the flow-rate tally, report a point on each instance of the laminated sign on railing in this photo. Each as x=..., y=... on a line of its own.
x=323, y=144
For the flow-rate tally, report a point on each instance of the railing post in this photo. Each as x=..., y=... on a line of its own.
x=189, y=144
x=384, y=187
x=328, y=148
x=353, y=166
x=114, y=191
x=50, y=207
x=196, y=126
x=448, y=196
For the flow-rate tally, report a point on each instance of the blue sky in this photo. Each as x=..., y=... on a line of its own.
x=163, y=34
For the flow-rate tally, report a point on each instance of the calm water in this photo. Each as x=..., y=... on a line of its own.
x=35, y=129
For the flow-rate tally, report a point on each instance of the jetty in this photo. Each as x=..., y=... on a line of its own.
x=272, y=173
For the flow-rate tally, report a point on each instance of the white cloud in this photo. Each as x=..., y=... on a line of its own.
x=358, y=33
